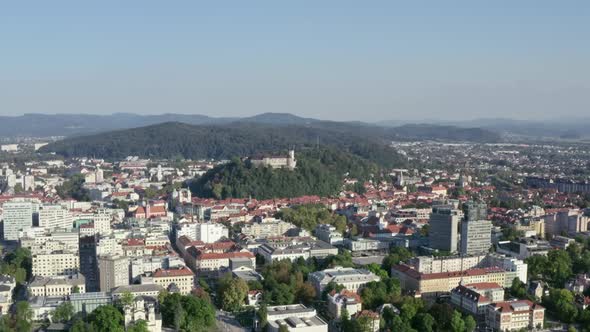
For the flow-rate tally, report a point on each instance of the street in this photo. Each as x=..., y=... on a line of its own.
x=226, y=322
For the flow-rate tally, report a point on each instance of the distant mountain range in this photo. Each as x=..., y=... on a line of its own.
x=47, y=125
x=265, y=133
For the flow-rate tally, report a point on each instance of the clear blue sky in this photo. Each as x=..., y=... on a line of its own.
x=364, y=60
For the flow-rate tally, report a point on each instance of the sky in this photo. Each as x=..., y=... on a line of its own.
x=336, y=60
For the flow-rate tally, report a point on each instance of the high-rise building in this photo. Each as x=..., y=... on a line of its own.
x=476, y=211
x=17, y=216
x=29, y=183
x=89, y=263
x=476, y=236
x=443, y=233
x=55, y=216
x=476, y=230
x=113, y=271
x=210, y=232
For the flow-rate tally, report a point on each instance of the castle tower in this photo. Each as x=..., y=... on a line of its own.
x=291, y=162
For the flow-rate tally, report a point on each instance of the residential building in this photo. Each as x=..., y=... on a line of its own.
x=7, y=285
x=328, y=234
x=294, y=317
x=373, y=319
x=345, y=299
x=182, y=278
x=55, y=263
x=514, y=315
x=430, y=264
x=427, y=264
x=267, y=227
x=17, y=217
x=434, y=284
x=206, y=262
x=56, y=240
x=476, y=236
x=570, y=221
x=55, y=216
x=113, y=272
x=57, y=286
x=351, y=278
x=473, y=298
x=210, y=232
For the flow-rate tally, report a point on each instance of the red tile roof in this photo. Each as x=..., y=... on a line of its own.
x=227, y=255
x=184, y=271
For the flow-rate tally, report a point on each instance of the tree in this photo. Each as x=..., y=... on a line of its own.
x=560, y=268
x=354, y=231
x=262, y=315
x=378, y=270
x=442, y=314
x=106, y=318
x=283, y=328
x=232, y=292
x=344, y=319
x=331, y=286
x=401, y=325
x=74, y=188
x=457, y=322
x=186, y=313
x=396, y=256
x=18, y=189
x=537, y=266
x=518, y=288
x=24, y=316
x=470, y=324
x=410, y=308
x=80, y=326
x=424, y=322
x=125, y=300
x=561, y=301
x=76, y=290
x=306, y=293
x=63, y=313
x=138, y=326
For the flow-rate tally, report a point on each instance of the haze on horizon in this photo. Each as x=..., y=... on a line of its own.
x=337, y=60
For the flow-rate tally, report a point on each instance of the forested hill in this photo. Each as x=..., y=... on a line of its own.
x=318, y=172
x=179, y=140
x=243, y=138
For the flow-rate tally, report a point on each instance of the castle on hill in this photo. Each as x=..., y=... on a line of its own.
x=287, y=162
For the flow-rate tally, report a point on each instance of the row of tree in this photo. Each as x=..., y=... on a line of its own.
x=309, y=216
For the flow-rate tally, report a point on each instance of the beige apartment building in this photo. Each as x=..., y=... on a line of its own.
x=57, y=286
x=57, y=263
x=183, y=278
x=434, y=284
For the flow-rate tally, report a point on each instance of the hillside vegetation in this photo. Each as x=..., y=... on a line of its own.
x=261, y=134
x=318, y=172
x=179, y=140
